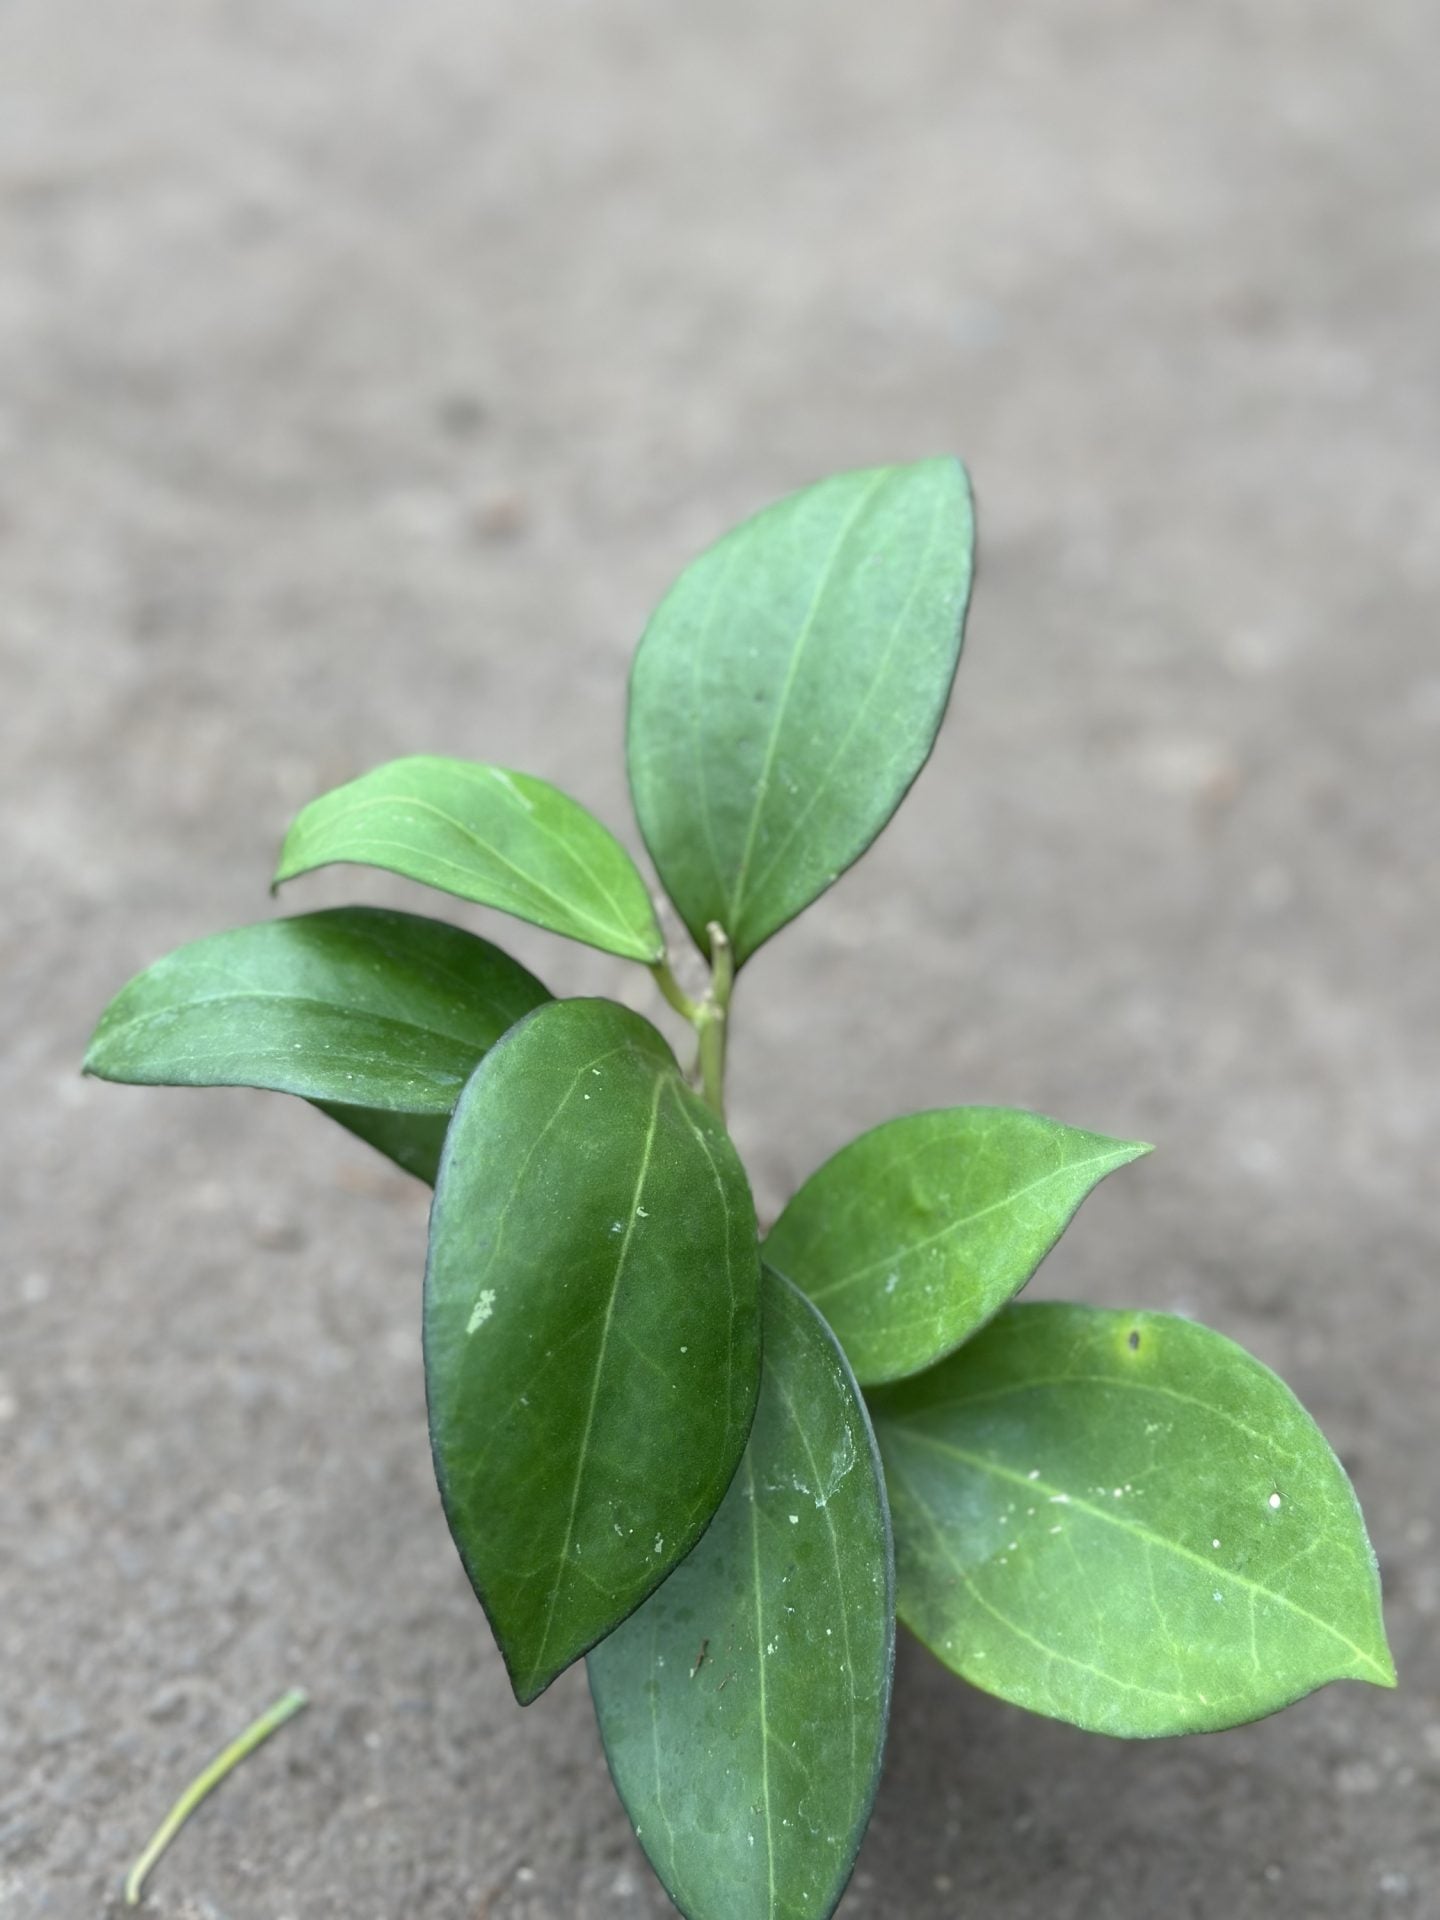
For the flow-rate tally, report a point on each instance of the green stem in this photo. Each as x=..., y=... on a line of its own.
x=707, y=1016
x=674, y=992
x=217, y=1770
x=712, y=1059
x=722, y=963
x=715, y=1016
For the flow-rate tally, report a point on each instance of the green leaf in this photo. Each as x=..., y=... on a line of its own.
x=914, y=1235
x=503, y=839
x=790, y=687
x=743, y=1708
x=356, y=1005
x=592, y=1327
x=1122, y=1520
x=414, y=1141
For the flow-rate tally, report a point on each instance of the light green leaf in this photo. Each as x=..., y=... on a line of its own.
x=592, y=1327
x=356, y=1005
x=503, y=839
x=1122, y=1520
x=743, y=1708
x=790, y=687
x=914, y=1235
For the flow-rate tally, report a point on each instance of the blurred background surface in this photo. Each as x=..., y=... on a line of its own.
x=366, y=374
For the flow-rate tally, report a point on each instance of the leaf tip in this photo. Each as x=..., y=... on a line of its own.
x=528, y=1690
x=1382, y=1666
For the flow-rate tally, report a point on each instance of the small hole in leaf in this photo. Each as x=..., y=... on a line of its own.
x=1134, y=1341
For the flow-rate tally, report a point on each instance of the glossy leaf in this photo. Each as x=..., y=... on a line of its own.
x=915, y=1234
x=1122, y=1520
x=743, y=1708
x=789, y=689
x=356, y=1005
x=591, y=1327
x=503, y=839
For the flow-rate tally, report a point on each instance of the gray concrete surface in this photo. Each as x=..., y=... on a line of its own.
x=365, y=374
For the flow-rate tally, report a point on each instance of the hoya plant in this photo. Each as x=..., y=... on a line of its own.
x=715, y=1463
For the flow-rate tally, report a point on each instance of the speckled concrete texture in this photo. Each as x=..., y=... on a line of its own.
x=366, y=373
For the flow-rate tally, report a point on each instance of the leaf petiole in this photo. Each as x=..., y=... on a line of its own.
x=713, y=1019
x=707, y=1015
x=674, y=993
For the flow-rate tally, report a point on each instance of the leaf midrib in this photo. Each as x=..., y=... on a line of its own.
x=591, y=1065
x=583, y=1452
x=818, y=789
x=1013, y=1626
x=841, y=1589
x=827, y=574
x=760, y=1674
x=1075, y=1503
x=510, y=786
x=525, y=885
x=841, y=1283
x=306, y=1002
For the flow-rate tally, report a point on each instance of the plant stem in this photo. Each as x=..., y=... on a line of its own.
x=674, y=992
x=714, y=1019
x=712, y=1059
x=223, y=1764
x=708, y=1015
x=722, y=962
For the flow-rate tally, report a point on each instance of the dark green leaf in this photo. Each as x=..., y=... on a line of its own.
x=789, y=689
x=591, y=1327
x=503, y=839
x=1123, y=1520
x=357, y=1006
x=743, y=1707
x=916, y=1233
x=412, y=1140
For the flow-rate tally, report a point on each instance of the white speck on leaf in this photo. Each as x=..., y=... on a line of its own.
x=1275, y=1501
x=841, y=1462
x=481, y=1311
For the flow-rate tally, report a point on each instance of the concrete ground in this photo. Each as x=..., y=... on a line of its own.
x=366, y=372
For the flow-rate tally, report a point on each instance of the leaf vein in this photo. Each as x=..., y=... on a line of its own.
x=583, y=1452
x=802, y=639
x=1077, y=1504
